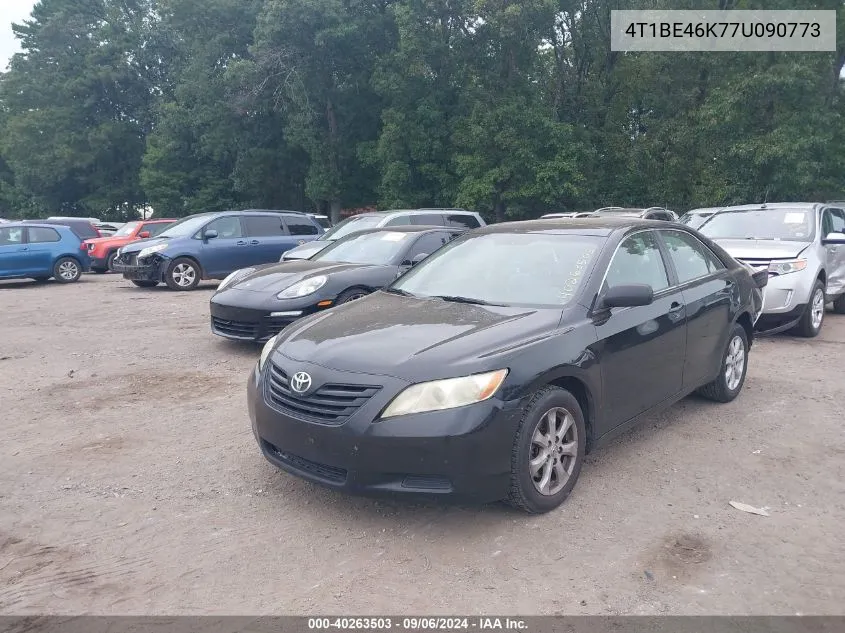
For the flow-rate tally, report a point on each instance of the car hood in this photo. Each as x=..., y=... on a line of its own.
x=304, y=251
x=415, y=339
x=761, y=249
x=277, y=277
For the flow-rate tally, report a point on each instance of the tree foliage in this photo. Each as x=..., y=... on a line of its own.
x=509, y=107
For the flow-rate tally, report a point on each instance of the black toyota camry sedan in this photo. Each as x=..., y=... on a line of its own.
x=489, y=370
x=256, y=303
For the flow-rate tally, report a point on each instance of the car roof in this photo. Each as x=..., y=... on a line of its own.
x=772, y=206
x=598, y=226
x=32, y=223
x=410, y=212
x=419, y=228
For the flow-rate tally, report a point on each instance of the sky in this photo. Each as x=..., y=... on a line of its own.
x=11, y=11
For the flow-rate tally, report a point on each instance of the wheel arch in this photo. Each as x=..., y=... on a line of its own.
x=747, y=324
x=584, y=395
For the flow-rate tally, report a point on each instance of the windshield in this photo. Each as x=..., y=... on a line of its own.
x=542, y=269
x=352, y=225
x=797, y=225
x=186, y=226
x=381, y=247
x=617, y=211
x=126, y=229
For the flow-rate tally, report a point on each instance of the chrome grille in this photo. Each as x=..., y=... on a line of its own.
x=331, y=404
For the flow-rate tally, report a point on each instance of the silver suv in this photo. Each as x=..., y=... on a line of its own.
x=802, y=245
x=376, y=220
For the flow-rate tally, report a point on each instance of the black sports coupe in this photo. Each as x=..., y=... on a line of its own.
x=489, y=370
x=254, y=304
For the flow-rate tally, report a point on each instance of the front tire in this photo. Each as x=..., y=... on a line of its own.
x=351, y=294
x=110, y=261
x=548, y=451
x=143, y=283
x=733, y=369
x=182, y=274
x=67, y=270
x=813, y=318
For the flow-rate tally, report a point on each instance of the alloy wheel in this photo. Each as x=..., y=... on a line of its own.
x=734, y=363
x=554, y=451
x=817, y=309
x=184, y=275
x=68, y=270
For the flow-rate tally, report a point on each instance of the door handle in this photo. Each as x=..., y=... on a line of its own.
x=23, y=248
x=255, y=242
x=676, y=311
x=241, y=243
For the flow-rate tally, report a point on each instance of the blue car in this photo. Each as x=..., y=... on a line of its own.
x=213, y=245
x=41, y=251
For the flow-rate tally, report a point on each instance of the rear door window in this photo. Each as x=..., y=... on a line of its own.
x=300, y=226
x=462, y=220
x=692, y=259
x=424, y=219
x=264, y=226
x=38, y=234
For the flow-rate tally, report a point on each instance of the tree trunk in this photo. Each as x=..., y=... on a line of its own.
x=499, y=210
x=334, y=207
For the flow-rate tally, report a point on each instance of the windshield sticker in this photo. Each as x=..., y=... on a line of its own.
x=393, y=237
x=794, y=218
x=575, y=275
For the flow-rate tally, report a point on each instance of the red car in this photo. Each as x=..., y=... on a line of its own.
x=103, y=250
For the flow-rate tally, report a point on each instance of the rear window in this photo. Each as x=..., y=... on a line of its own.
x=42, y=234
x=83, y=230
x=301, y=226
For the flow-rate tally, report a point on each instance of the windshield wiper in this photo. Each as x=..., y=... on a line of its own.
x=477, y=302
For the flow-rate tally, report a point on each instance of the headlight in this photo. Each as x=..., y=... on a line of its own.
x=445, y=394
x=265, y=353
x=784, y=268
x=243, y=272
x=150, y=250
x=303, y=288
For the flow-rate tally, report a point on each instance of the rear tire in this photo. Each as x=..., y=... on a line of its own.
x=813, y=318
x=548, y=451
x=67, y=270
x=142, y=283
x=839, y=305
x=732, y=370
x=182, y=274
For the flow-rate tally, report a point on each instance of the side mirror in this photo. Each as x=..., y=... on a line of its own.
x=418, y=259
x=834, y=238
x=210, y=234
x=143, y=234
x=628, y=296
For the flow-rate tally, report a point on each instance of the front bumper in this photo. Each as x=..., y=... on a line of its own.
x=247, y=324
x=150, y=269
x=99, y=262
x=462, y=453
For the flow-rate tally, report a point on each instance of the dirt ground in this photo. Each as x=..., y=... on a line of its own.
x=130, y=483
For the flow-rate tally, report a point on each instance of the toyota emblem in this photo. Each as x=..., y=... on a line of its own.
x=301, y=382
